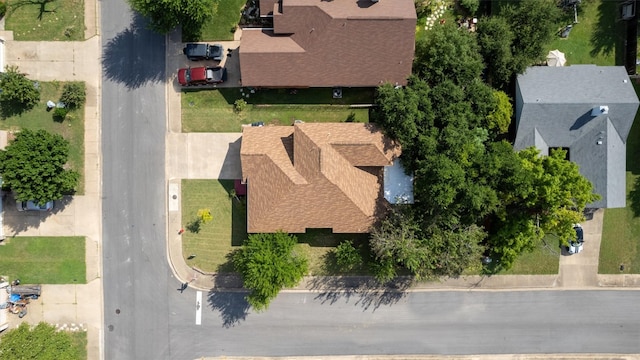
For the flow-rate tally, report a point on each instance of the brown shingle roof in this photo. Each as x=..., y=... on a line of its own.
x=339, y=43
x=316, y=175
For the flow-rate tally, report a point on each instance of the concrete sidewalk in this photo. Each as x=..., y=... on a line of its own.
x=76, y=307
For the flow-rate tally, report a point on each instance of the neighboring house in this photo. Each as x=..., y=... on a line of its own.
x=587, y=110
x=320, y=43
x=318, y=175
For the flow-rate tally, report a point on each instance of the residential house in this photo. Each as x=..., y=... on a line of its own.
x=318, y=175
x=320, y=43
x=587, y=110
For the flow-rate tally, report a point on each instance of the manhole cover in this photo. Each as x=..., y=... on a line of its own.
x=175, y=197
x=118, y=311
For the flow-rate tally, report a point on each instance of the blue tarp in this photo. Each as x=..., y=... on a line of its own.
x=14, y=297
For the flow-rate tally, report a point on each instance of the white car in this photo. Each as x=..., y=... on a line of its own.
x=33, y=206
x=576, y=245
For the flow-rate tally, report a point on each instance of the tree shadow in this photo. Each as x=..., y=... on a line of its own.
x=9, y=109
x=607, y=36
x=366, y=291
x=122, y=60
x=634, y=198
x=232, y=305
x=41, y=3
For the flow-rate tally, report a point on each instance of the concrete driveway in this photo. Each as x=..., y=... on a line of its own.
x=203, y=156
x=70, y=217
x=176, y=60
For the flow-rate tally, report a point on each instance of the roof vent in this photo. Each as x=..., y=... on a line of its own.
x=600, y=110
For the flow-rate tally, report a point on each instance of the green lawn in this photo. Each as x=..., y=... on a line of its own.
x=79, y=341
x=597, y=38
x=621, y=229
x=72, y=128
x=227, y=231
x=44, y=260
x=318, y=246
x=223, y=24
x=217, y=238
x=40, y=20
x=212, y=110
x=543, y=260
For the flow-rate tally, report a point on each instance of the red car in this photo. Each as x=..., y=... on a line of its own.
x=202, y=76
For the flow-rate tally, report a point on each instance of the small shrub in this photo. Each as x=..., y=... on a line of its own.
x=347, y=256
x=239, y=105
x=73, y=95
x=205, y=215
x=59, y=114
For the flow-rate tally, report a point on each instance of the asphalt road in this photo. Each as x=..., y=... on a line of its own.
x=463, y=322
x=147, y=318
x=133, y=130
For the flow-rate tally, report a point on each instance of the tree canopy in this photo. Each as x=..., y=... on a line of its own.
x=166, y=15
x=515, y=38
x=268, y=263
x=18, y=93
x=40, y=342
x=473, y=193
x=34, y=166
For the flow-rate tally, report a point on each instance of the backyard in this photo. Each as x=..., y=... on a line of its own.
x=45, y=20
x=275, y=106
x=72, y=128
x=44, y=260
x=597, y=38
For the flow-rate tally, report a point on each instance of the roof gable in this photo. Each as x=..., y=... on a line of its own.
x=342, y=43
x=586, y=108
x=318, y=183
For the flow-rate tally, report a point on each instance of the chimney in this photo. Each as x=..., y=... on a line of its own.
x=600, y=110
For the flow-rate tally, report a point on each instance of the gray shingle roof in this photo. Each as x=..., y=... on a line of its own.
x=554, y=108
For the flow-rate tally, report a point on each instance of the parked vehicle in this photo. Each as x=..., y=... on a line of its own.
x=26, y=291
x=31, y=205
x=202, y=76
x=576, y=244
x=204, y=52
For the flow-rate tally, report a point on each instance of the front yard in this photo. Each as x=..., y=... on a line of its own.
x=215, y=240
x=72, y=128
x=46, y=20
x=213, y=111
x=44, y=260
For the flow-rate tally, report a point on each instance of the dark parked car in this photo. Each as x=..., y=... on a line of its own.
x=202, y=76
x=204, y=52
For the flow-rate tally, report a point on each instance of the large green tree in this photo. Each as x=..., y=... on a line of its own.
x=34, y=166
x=166, y=15
x=401, y=241
x=447, y=53
x=516, y=38
x=534, y=23
x=18, y=93
x=40, y=342
x=268, y=263
x=547, y=195
x=495, y=38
